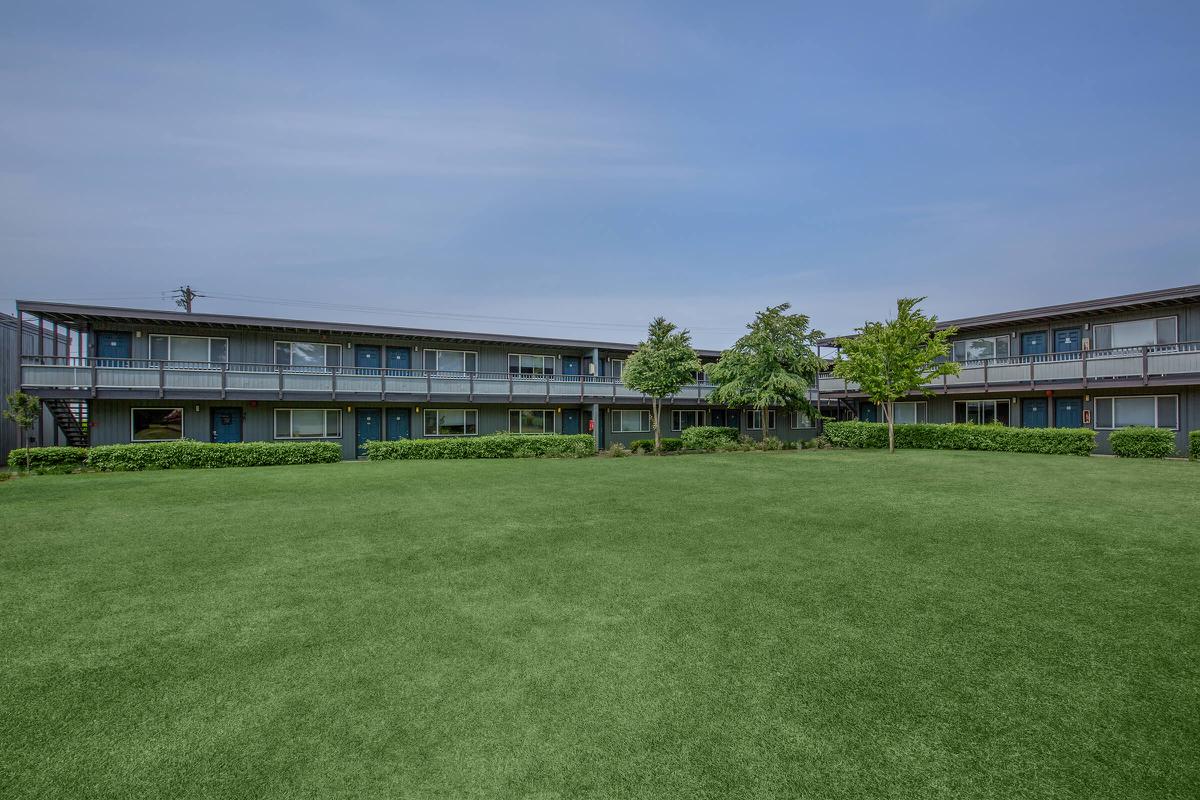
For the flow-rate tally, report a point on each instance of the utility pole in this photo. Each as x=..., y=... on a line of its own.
x=184, y=296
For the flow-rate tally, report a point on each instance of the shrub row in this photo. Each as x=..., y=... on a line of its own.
x=1142, y=442
x=1194, y=445
x=1063, y=441
x=709, y=437
x=49, y=457
x=203, y=455
x=669, y=445
x=500, y=445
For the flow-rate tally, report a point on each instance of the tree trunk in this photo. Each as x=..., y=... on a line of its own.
x=764, y=423
x=656, y=405
x=891, y=420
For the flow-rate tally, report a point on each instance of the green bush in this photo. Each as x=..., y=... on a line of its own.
x=1062, y=441
x=1142, y=442
x=187, y=454
x=668, y=445
x=1194, y=445
x=708, y=437
x=617, y=450
x=499, y=445
x=46, y=457
x=770, y=443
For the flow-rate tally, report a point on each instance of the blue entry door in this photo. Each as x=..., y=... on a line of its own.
x=367, y=356
x=114, y=344
x=571, y=365
x=399, y=423
x=226, y=425
x=399, y=358
x=368, y=427
x=1033, y=344
x=867, y=412
x=570, y=420
x=1068, y=412
x=1067, y=340
x=1033, y=413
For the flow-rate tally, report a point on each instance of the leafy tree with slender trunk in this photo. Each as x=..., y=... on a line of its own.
x=890, y=360
x=773, y=365
x=23, y=410
x=660, y=367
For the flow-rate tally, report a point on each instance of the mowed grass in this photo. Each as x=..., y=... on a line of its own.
x=816, y=625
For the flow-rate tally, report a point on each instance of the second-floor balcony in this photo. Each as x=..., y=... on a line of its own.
x=139, y=378
x=1124, y=366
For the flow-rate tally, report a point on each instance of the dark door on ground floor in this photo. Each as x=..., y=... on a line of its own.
x=226, y=425
x=1033, y=343
x=867, y=412
x=1033, y=413
x=724, y=418
x=1067, y=340
x=368, y=427
x=570, y=420
x=399, y=423
x=367, y=356
x=1068, y=412
x=571, y=365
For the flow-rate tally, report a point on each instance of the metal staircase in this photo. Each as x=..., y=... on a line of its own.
x=72, y=419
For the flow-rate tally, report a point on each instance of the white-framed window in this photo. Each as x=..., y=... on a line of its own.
x=451, y=360
x=754, y=420
x=981, y=347
x=203, y=349
x=525, y=364
x=1154, y=410
x=630, y=421
x=530, y=420
x=451, y=421
x=1135, y=333
x=308, y=354
x=800, y=421
x=308, y=423
x=616, y=366
x=981, y=412
x=155, y=424
x=910, y=413
x=687, y=418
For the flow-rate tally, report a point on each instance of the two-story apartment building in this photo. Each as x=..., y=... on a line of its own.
x=114, y=375
x=1104, y=364
x=148, y=376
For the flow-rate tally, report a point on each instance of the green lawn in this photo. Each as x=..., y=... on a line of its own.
x=815, y=624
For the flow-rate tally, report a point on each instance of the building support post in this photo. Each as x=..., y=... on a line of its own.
x=596, y=424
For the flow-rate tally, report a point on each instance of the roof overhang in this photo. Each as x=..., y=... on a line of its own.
x=1159, y=298
x=77, y=315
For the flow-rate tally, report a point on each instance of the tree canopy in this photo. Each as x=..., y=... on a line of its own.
x=662, y=365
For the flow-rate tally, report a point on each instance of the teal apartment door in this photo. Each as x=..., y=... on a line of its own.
x=113, y=344
x=399, y=358
x=1033, y=413
x=867, y=412
x=226, y=425
x=570, y=420
x=1033, y=344
x=1068, y=412
x=368, y=427
x=1067, y=340
x=366, y=356
x=399, y=423
x=570, y=365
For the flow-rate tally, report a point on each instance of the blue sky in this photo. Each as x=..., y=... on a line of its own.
x=598, y=163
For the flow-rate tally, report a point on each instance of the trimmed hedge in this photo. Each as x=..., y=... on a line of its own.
x=668, y=444
x=709, y=437
x=1062, y=441
x=1142, y=441
x=203, y=455
x=1194, y=445
x=499, y=445
x=46, y=457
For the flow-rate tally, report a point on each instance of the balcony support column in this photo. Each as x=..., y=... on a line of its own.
x=596, y=424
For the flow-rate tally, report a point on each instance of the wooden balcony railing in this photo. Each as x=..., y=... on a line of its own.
x=93, y=376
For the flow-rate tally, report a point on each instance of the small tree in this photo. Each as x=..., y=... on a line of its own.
x=660, y=367
x=772, y=365
x=889, y=360
x=23, y=410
